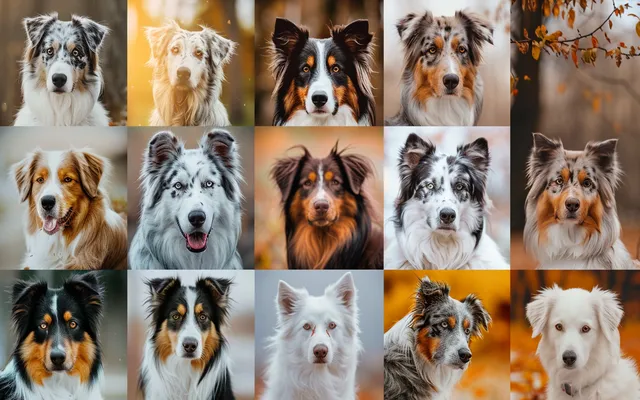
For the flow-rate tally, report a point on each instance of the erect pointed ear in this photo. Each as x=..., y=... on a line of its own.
x=287, y=36
x=220, y=48
x=160, y=289
x=428, y=294
x=218, y=289
x=538, y=309
x=477, y=152
x=345, y=291
x=481, y=317
x=542, y=144
x=23, y=297
x=609, y=312
x=355, y=36
x=604, y=153
x=35, y=27
x=219, y=142
x=159, y=37
x=86, y=288
x=414, y=150
x=285, y=171
x=94, y=32
x=163, y=148
x=91, y=168
x=543, y=150
x=407, y=24
x=358, y=168
x=479, y=30
x=288, y=299
x=23, y=173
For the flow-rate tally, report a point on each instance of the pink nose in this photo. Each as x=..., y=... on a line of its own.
x=320, y=351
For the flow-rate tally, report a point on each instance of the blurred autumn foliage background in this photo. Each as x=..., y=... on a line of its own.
x=575, y=67
x=233, y=19
x=273, y=143
x=317, y=16
x=528, y=379
x=488, y=375
x=113, y=57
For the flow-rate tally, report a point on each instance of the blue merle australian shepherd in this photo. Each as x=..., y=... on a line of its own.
x=191, y=205
x=441, y=211
x=322, y=81
x=57, y=354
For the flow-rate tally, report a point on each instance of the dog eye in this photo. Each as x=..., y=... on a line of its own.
x=459, y=187
x=306, y=327
x=335, y=182
x=559, y=181
x=462, y=50
x=587, y=183
x=308, y=183
x=467, y=331
x=444, y=324
x=199, y=53
x=50, y=51
x=332, y=325
x=559, y=327
x=67, y=180
x=176, y=317
x=73, y=324
x=202, y=317
x=208, y=184
x=586, y=329
x=306, y=69
x=40, y=180
x=335, y=69
x=432, y=50
x=75, y=53
x=44, y=326
x=177, y=185
x=175, y=50
x=430, y=186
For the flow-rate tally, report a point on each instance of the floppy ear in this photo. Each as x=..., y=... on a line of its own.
x=406, y=25
x=219, y=142
x=428, y=294
x=86, y=288
x=481, y=317
x=94, y=32
x=35, y=27
x=355, y=36
x=159, y=37
x=358, y=168
x=344, y=290
x=23, y=173
x=538, y=309
x=219, y=289
x=609, y=312
x=23, y=296
x=287, y=36
x=163, y=147
x=221, y=49
x=91, y=168
x=478, y=153
x=479, y=30
x=285, y=171
x=287, y=299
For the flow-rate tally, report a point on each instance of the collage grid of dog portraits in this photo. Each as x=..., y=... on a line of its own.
x=320, y=200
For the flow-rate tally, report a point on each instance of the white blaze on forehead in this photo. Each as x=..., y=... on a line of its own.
x=321, y=80
x=190, y=328
x=320, y=194
x=52, y=186
x=57, y=341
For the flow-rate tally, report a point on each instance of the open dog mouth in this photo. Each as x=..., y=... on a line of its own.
x=52, y=225
x=196, y=242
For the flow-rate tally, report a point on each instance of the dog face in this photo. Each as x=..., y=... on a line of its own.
x=63, y=55
x=58, y=185
x=185, y=58
x=442, y=53
x=318, y=326
x=187, y=319
x=443, y=193
x=318, y=76
x=57, y=328
x=444, y=326
x=574, y=324
x=572, y=187
x=194, y=187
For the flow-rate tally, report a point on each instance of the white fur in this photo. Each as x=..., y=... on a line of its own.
x=344, y=117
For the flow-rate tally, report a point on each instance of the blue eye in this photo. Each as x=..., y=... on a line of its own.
x=177, y=185
x=208, y=184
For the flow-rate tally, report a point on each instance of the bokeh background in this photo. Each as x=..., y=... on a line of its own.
x=593, y=102
x=138, y=141
x=275, y=143
x=239, y=332
x=112, y=333
x=232, y=19
x=316, y=16
x=528, y=379
x=447, y=140
x=369, y=375
x=494, y=69
x=488, y=375
x=16, y=143
x=113, y=58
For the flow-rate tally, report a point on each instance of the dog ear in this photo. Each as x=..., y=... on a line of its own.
x=220, y=49
x=287, y=299
x=406, y=26
x=609, y=312
x=358, y=168
x=285, y=171
x=35, y=27
x=159, y=37
x=89, y=292
x=481, y=317
x=163, y=147
x=94, y=32
x=543, y=150
x=287, y=36
x=159, y=289
x=91, y=168
x=219, y=142
x=428, y=294
x=345, y=291
x=23, y=173
x=478, y=153
x=414, y=150
x=479, y=30
x=538, y=309
x=219, y=289
x=355, y=36
x=606, y=157
x=23, y=295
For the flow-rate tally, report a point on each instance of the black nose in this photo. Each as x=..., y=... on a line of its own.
x=465, y=355
x=450, y=81
x=321, y=206
x=57, y=357
x=184, y=73
x=197, y=218
x=59, y=80
x=319, y=99
x=572, y=204
x=569, y=357
x=190, y=345
x=48, y=202
x=447, y=216
x=320, y=351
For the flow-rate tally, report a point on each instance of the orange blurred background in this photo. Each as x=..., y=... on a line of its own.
x=488, y=375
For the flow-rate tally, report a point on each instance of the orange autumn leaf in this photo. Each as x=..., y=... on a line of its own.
x=638, y=28
x=594, y=41
x=574, y=57
x=596, y=104
x=535, y=51
x=562, y=88
x=526, y=78
x=572, y=18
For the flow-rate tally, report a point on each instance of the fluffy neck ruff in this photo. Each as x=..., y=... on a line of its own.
x=178, y=107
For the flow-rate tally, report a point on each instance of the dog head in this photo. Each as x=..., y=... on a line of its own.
x=320, y=191
x=194, y=187
x=63, y=55
x=572, y=187
x=57, y=328
x=318, y=76
x=187, y=320
x=186, y=58
x=444, y=326
x=58, y=185
x=317, y=327
x=574, y=325
x=443, y=53
x=446, y=193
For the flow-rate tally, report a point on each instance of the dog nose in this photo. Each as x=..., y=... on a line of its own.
x=59, y=80
x=184, y=73
x=190, y=345
x=321, y=206
x=320, y=351
x=572, y=204
x=450, y=81
x=197, y=218
x=57, y=357
x=319, y=99
x=447, y=216
x=465, y=355
x=48, y=202
x=569, y=357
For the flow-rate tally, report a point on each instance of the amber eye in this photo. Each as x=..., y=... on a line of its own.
x=335, y=69
x=40, y=180
x=175, y=50
x=67, y=180
x=559, y=181
x=462, y=50
x=559, y=327
x=306, y=69
x=176, y=317
x=202, y=317
x=73, y=324
x=199, y=53
x=586, y=329
x=306, y=327
x=432, y=50
x=50, y=51
x=587, y=183
x=75, y=53
x=44, y=326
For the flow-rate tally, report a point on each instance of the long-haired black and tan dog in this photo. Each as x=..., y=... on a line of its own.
x=328, y=214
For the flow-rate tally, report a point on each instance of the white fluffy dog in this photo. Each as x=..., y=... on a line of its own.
x=580, y=345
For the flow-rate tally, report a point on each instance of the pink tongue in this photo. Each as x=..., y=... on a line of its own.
x=197, y=241
x=50, y=224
